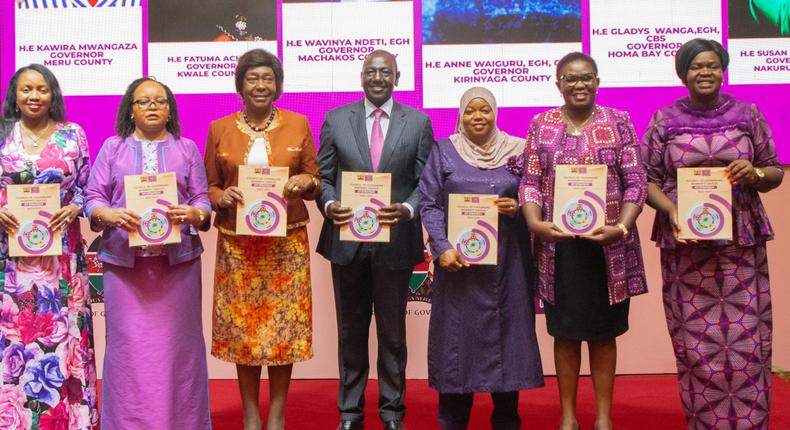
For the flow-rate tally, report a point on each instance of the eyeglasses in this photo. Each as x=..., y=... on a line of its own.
x=586, y=79
x=145, y=103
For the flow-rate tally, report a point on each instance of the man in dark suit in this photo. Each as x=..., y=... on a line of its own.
x=375, y=134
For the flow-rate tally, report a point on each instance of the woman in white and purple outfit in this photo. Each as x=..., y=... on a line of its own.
x=155, y=374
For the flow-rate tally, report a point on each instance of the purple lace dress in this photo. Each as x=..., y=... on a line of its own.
x=716, y=294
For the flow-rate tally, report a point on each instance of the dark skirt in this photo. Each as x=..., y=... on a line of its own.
x=581, y=310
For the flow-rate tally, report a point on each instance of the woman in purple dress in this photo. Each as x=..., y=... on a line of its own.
x=155, y=373
x=585, y=282
x=482, y=329
x=716, y=294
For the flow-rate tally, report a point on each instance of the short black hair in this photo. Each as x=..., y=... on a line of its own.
x=575, y=56
x=57, y=108
x=260, y=58
x=694, y=47
x=124, y=124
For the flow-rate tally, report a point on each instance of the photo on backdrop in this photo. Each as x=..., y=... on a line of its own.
x=759, y=32
x=209, y=20
x=194, y=44
x=508, y=46
x=759, y=19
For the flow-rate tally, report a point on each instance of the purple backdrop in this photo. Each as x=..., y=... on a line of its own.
x=96, y=114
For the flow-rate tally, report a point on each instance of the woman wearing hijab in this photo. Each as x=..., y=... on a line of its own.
x=482, y=330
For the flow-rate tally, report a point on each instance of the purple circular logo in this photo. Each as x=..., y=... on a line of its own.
x=262, y=217
x=365, y=223
x=154, y=227
x=705, y=219
x=578, y=216
x=35, y=237
x=473, y=244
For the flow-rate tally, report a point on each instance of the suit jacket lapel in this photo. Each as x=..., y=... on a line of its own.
x=397, y=122
x=357, y=122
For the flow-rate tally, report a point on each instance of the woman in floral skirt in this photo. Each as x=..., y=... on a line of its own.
x=46, y=334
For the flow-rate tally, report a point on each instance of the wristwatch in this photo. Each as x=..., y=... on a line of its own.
x=760, y=174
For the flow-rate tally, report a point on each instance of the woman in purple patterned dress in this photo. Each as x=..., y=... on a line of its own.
x=716, y=294
x=46, y=334
x=585, y=282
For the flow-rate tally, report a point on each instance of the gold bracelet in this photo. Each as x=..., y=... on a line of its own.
x=622, y=227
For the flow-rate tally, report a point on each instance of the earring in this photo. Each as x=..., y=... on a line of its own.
x=16, y=108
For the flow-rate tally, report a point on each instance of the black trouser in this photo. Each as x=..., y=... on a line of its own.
x=454, y=410
x=362, y=289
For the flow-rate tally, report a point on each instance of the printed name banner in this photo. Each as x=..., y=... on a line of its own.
x=365, y=193
x=265, y=212
x=83, y=44
x=34, y=206
x=151, y=196
x=325, y=43
x=704, y=203
x=759, y=42
x=508, y=47
x=194, y=46
x=634, y=41
x=473, y=225
x=579, y=197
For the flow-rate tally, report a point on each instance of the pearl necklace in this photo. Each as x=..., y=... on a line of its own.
x=259, y=129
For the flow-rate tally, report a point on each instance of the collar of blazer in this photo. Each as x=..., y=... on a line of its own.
x=391, y=140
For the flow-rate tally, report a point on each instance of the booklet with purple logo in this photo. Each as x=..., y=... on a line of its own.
x=34, y=205
x=580, y=197
x=704, y=203
x=472, y=226
x=365, y=193
x=151, y=197
x=265, y=211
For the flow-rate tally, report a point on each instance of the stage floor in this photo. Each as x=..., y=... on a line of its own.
x=641, y=403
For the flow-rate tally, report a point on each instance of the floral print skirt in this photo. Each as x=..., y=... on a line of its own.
x=46, y=344
x=263, y=300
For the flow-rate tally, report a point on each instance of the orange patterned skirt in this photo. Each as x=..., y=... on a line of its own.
x=263, y=300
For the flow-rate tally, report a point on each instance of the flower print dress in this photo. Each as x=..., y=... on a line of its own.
x=46, y=332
